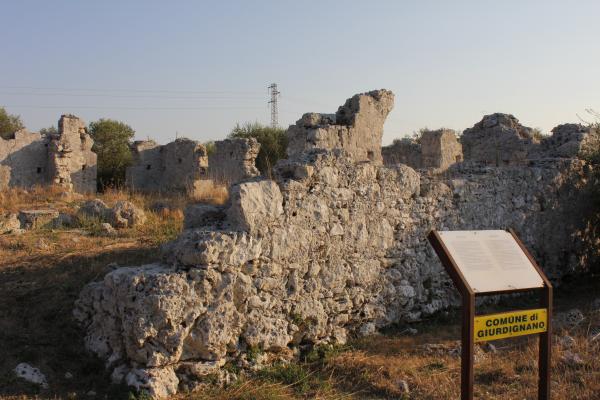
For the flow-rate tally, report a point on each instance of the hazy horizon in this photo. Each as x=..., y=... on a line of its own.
x=196, y=69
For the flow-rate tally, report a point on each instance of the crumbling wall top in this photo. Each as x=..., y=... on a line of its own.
x=356, y=127
x=498, y=139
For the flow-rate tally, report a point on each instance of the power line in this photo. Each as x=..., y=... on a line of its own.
x=134, y=108
x=131, y=90
x=132, y=96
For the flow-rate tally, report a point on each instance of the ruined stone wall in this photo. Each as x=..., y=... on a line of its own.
x=498, y=139
x=176, y=166
x=329, y=249
x=71, y=162
x=440, y=149
x=184, y=165
x=433, y=149
x=357, y=127
x=64, y=159
x=405, y=151
x=23, y=160
x=146, y=170
x=233, y=160
x=334, y=248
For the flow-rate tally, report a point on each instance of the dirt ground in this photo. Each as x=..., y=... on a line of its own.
x=43, y=270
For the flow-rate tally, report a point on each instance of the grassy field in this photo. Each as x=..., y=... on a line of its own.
x=43, y=270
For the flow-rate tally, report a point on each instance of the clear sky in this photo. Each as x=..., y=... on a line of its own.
x=197, y=67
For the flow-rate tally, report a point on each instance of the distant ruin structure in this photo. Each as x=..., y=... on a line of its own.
x=64, y=159
x=437, y=149
x=176, y=166
x=183, y=165
x=498, y=139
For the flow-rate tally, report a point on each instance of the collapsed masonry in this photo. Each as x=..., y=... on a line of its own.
x=497, y=140
x=64, y=159
x=332, y=247
x=184, y=165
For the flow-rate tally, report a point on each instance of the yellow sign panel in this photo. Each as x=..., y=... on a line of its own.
x=509, y=324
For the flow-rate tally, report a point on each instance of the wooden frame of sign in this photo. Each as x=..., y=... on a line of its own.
x=471, y=256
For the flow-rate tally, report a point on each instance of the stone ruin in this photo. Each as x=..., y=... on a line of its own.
x=176, y=166
x=233, y=160
x=497, y=140
x=64, y=159
x=357, y=127
x=433, y=149
x=184, y=165
x=334, y=246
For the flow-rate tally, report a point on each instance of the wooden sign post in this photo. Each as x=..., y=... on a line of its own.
x=483, y=263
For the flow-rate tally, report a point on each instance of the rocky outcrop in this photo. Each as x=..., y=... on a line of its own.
x=330, y=248
x=124, y=214
x=357, y=127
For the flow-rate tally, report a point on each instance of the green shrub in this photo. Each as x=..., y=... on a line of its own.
x=111, y=144
x=273, y=143
x=9, y=124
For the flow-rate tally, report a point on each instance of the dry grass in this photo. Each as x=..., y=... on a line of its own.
x=210, y=192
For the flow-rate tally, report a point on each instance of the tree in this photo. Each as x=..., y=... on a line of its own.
x=210, y=147
x=273, y=143
x=9, y=124
x=111, y=144
x=51, y=130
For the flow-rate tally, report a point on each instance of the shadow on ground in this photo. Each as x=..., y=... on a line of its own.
x=37, y=326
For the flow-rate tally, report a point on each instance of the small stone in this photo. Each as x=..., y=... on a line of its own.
x=42, y=245
x=91, y=393
x=124, y=214
x=566, y=341
x=31, y=374
x=403, y=386
x=571, y=359
x=489, y=348
x=569, y=319
x=107, y=229
x=9, y=223
x=68, y=375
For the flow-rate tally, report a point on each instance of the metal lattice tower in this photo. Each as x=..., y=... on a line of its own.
x=273, y=103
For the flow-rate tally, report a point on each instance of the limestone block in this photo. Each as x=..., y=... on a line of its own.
x=159, y=383
x=124, y=214
x=31, y=219
x=9, y=223
x=254, y=205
